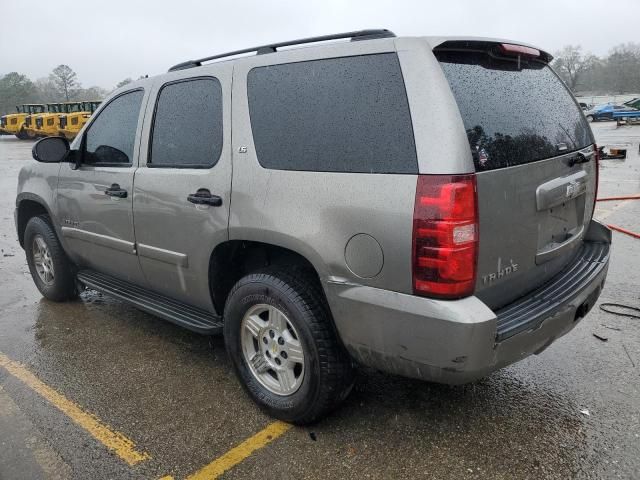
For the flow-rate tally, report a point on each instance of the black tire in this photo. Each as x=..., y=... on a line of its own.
x=22, y=134
x=328, y=372
x=63, y=285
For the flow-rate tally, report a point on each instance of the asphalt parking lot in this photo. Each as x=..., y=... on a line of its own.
x=97, y=389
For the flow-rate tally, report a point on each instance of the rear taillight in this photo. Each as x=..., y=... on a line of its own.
x=445, y=236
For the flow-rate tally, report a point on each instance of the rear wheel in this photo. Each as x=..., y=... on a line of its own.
x=22, y=134
x=284, y=348
x=51, y=270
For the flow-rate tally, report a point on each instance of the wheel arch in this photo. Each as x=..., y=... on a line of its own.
x=233, y=259
x=29, y=205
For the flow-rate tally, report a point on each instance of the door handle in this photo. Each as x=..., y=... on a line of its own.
x=581, y=158
x=115, y=191
x=204, y=197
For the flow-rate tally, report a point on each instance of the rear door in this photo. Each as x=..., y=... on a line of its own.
x=535, y=163
x=183, y=186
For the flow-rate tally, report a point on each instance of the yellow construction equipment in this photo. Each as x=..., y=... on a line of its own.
x=72, y=123
x=34, y=123
x=14, y=123
x=47, y=124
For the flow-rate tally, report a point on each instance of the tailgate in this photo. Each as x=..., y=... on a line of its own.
x=535, y=163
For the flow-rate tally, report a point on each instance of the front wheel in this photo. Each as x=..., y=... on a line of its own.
x=22, y=134
x=51, y=270
x=283, y=346
x=590, y=118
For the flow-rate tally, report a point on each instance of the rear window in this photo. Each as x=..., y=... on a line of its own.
x=513, y=112
x=333, y=115
x=187, y=126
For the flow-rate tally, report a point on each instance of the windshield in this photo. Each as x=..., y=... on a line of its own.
x=90, y=106
x=513, y=113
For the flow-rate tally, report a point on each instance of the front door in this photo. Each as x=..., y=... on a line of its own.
x=182, y=191
x=95, y=201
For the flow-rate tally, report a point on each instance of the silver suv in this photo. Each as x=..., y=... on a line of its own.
x=418, y=205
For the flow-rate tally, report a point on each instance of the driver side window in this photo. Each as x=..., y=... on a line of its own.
x=110, y=138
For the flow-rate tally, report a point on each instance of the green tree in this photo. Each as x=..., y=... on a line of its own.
x=65, y=81
x=15, y=89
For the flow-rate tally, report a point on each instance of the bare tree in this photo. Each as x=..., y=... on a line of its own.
x=571, y=64
x=65, y=80
x=47, y=90
x=124, y=82
x=623, y=67
x=91, y=93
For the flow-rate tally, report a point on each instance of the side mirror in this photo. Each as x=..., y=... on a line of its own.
x=50, y=150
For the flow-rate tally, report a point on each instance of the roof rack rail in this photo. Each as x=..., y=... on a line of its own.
x=272, y=48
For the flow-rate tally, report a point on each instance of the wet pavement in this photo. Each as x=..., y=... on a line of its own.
x=571, y=412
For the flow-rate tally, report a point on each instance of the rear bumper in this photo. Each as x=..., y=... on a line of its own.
x=463, y=340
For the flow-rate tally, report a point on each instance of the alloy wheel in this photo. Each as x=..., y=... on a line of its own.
x=272, y=349
x=42, y=260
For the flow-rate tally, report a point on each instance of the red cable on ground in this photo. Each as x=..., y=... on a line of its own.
x=622, y=230
x=615, y=227
x=628, y=197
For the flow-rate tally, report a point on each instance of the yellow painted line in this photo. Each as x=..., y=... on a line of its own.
x=242, y=451
x=115, y=441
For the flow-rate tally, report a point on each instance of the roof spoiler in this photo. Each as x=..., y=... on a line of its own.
x=502, y=48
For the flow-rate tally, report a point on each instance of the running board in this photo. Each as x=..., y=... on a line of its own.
x=177, y=312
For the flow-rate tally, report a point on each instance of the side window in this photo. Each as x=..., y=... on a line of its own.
x=187, y=125
x=347, y=114
x=110, y=138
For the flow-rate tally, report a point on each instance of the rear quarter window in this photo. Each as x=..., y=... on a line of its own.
x=513, y=113
x=347, y=114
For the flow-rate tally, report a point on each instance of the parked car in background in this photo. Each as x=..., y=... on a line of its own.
x=377, y=200
x=605, y=112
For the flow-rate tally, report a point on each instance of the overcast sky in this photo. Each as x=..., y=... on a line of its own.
x=108, y=40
